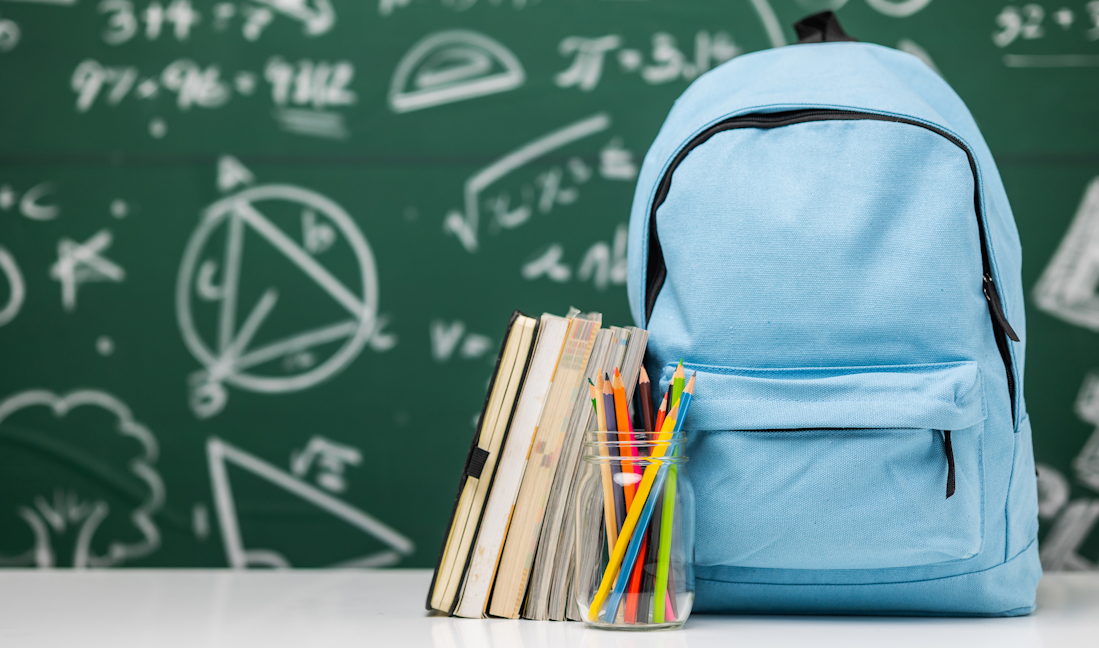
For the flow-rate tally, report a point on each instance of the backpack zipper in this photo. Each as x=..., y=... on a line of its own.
x=656, y=271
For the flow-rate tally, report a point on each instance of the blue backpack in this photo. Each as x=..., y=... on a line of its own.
x=821, y=231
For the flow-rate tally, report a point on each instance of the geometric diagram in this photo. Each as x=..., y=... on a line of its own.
x=79, y=263
x=330, y=458
x=219, y=453
x=1086, y=463
x=1068, y=287
x=16, y=289
x=451, y=66
x=1058, y=549
x=233, y=359
x=317, y=20
x=465, y=225
x=88, y=444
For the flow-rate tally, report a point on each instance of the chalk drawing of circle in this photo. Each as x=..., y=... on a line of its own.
x=452, y=66
x=901, y=9
x=16, y=288
x=363, y=304
x=821, y=5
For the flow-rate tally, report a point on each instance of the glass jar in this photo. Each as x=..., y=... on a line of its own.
x=634, y=507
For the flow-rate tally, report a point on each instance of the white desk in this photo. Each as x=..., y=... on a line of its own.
x=333, y=609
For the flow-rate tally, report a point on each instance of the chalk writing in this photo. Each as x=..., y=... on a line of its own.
x=450, y=66
x=177, y=18
x=221, y=454
x=79, y=263
x=94, y=429
x=446, y=336
x=31, y=204
x=546, y=191
x=16, y=287
x=330, y=458
x=302, y=92
x=1016, y=24
x=233, y=359
x=603, y=264
x=667, y=63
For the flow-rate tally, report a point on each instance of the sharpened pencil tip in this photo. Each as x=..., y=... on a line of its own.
x=644, y=376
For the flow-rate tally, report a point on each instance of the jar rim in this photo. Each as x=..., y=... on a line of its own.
x=636, y=448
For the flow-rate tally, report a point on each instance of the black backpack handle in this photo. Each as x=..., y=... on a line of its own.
x=821, y=27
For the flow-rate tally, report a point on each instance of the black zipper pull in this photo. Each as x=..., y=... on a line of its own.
x=949, y=448
x=997, y=308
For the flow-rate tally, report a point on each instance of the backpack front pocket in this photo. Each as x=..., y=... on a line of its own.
x=837, y=468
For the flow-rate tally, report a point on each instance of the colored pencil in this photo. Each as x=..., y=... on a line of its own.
x=652, y=537
x=661, y=412
x=610, y=518
x=634, y=588
x=677, y=384
x=645, y=387
x=660, y=585
x=612, y=588
x=611, y=424
x=647, y=558
x=625, y=433
x=624, y=535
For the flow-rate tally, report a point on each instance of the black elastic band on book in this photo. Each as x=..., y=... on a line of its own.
x=949, y=463
x=479, y=456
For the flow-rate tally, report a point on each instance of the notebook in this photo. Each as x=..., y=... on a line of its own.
x=481, y=462
x=509, y=473
x=517, y=557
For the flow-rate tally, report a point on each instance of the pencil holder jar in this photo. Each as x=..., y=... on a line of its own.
x=634, y=532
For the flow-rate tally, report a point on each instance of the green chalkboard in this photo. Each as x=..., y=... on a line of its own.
x=256, y=255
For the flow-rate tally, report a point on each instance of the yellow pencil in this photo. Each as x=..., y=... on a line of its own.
x=609, y=517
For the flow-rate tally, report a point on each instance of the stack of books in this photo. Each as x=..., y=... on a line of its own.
x=509, y=546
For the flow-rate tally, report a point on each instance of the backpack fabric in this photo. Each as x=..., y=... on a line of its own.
x=821, y=233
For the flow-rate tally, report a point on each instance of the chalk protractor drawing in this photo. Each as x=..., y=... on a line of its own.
x=221, y=454
x=451, y=66
x=298, y=269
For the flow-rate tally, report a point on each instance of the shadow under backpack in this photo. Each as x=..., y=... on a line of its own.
x=822, y=232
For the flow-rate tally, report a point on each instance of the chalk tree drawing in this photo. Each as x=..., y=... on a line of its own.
x=220, y=454
x=16, y=287
x=1068, y=286
x=95, y=437
x=465, y=226
x=232, y=359
x=79, y=263
x=452, y=66
x=330, y=458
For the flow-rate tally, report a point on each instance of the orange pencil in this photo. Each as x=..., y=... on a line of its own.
x=625, y=432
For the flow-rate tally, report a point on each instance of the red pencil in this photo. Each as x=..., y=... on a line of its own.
x=662, y=411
